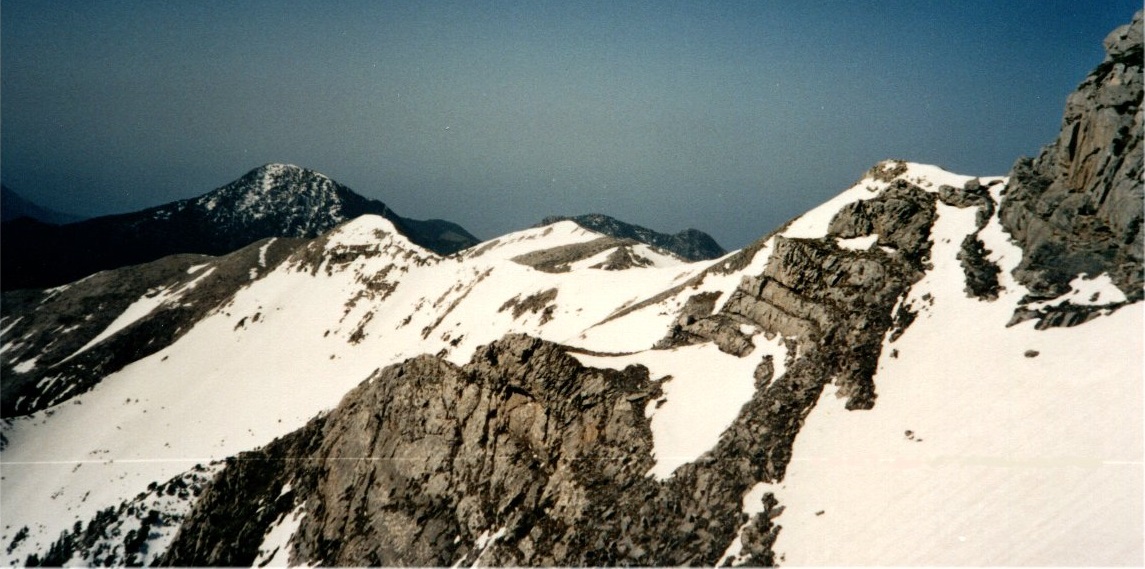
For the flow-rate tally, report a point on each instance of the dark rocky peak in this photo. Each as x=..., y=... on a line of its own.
x=689, y=244
x=1077, y=208
x=273, y=185
x=299, y=202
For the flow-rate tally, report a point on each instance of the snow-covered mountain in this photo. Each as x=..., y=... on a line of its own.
x=274, y=200
x=905, y=374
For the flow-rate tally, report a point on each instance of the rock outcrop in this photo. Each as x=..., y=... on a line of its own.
x=521, y=457
x=1077, y=207
x=981, y=274
x=832, y=301
x=427, y=463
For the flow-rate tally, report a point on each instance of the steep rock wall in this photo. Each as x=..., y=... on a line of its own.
x=1077, y=207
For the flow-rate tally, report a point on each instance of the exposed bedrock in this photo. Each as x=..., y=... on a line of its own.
x=829, y=301
x=521, y=457
x=1077, y=207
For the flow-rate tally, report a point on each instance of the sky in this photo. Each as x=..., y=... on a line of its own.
x=729, y=117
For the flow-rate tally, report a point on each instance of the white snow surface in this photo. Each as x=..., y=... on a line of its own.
x=858, y=243
x=26, y=365
x=275, y=548
x=1084, y=291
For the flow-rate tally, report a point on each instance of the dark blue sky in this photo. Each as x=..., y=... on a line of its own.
x=730, y=117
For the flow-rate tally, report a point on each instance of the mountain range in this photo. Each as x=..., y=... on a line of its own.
x=928, y=369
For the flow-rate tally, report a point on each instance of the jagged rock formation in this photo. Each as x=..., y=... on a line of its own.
x=819, y=294
x=981, y=273
x=1077, y=207
x=522, y=457
x=689, y=244
x=275, y=200
x=433, y=455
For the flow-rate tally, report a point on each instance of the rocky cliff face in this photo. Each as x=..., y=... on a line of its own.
x=521, y=457
x=1077, y=207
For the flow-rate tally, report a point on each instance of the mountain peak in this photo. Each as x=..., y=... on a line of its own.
x=279, y=166
x=303, y=201
x=277, y=170
x=273, y=200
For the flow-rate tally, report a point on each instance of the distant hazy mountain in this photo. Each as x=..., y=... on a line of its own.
x=689, y=244
x=275, y=200
x=15, y=206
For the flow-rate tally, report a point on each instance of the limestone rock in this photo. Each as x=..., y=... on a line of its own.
x=1077, y=207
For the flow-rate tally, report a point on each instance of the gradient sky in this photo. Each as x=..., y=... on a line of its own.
x=730, y=117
